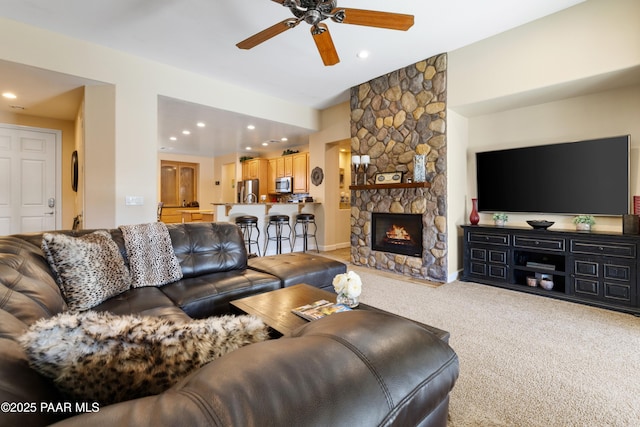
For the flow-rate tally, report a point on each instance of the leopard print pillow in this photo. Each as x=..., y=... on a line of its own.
x=107, y=358
x=89, y=269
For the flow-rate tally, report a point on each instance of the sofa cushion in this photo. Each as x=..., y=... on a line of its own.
x=207, y=247
x=145, y=301
x=210, y=294
x=298, y=267
x=107, y=358
x=89, y=268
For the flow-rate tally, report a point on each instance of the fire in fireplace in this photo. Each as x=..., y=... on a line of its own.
x=397, y=233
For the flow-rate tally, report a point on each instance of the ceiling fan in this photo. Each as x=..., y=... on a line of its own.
x=313, y=12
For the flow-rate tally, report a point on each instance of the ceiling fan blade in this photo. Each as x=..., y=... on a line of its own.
x=372, y=18
x=325, y=45
x=268, y=33
x=278, y=1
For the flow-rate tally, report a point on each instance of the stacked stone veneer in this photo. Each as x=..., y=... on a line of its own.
x=393, y=118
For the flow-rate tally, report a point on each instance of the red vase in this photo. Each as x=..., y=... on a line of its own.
x=474, y=218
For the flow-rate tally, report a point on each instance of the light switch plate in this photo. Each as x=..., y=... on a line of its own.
x=134, y=200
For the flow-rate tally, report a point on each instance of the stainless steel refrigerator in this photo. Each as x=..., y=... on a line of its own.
x=248, y=191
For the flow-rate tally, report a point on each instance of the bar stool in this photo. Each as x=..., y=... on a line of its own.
x=305, y=219
x=278, y=222
x=248, y=223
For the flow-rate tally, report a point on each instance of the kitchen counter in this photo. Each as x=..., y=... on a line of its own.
x=267, y=205
x=229, y=211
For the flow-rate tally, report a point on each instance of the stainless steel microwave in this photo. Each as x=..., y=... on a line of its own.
x=284, y=184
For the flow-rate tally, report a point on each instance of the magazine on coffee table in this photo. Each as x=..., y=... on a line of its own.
x=318, y=309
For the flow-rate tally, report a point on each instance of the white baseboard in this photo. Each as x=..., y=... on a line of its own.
x=336, y=246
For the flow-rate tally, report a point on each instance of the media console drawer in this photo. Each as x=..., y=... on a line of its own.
x=492, y=239
x=546, y=243
x=591, y=247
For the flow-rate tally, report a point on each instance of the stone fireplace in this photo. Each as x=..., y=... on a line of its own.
x=397, y=233
x=393, y=118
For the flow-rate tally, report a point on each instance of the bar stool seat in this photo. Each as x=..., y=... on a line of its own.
x=277, y=222
x=247, y=224
x=305, y=220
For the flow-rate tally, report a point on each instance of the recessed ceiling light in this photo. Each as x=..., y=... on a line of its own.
x=9, y=95
x=251, y=127
x=186, y=132
x=264, y=144
x=284, y=139
x=200, y=124
x=247, y=148
x=173, y=138
x=363, y=54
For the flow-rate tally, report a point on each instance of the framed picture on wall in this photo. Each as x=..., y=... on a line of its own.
x=74, y=171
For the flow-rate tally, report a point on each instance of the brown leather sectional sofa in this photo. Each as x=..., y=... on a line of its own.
x=374, y=369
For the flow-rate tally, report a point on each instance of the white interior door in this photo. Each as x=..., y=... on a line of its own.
x=28, y=196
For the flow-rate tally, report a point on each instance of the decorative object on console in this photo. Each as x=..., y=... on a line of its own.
x=500, y=219
x=630, y=224
x=584, y=222
x=636, y=205
x=532, y=281
x=419, y=168
x=388, y=178
x=546, y=284
x=540, y=224
x=348, y=286
x=317, y=176
x=474, y=217
x=135, y=355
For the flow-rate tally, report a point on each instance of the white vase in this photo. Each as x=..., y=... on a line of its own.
x=583, y=227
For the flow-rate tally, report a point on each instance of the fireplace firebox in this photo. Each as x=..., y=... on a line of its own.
x=397, y=233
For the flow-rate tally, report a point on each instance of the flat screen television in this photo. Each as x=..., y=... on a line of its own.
x=585, y=177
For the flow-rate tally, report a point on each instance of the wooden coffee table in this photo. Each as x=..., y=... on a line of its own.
x=274, y=308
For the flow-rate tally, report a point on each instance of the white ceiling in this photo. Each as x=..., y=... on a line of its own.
x=200, y=36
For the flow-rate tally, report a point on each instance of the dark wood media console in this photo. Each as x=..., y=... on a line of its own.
x=594, y=268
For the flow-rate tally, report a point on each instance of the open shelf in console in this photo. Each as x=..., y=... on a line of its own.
x=528, y=263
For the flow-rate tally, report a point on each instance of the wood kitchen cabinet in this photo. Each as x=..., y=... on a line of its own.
x=300, y=172
x=284, y=166
x=255, y=169
x=271, y=176
x=294, y=165
x=178, y=182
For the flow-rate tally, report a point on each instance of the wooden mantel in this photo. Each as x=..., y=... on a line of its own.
x=390, y=186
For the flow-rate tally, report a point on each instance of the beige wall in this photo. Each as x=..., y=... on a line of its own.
x=137, y=84
x=591, y=39
x=324, y=152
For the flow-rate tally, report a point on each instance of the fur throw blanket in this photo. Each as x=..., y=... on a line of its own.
x=152, y=261
x=106, y=358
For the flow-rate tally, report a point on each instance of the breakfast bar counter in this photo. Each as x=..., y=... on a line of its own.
x=230, y=211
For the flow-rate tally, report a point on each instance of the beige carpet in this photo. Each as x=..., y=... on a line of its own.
x=525, y=360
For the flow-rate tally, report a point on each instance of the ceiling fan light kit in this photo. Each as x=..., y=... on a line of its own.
x=313, y=12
